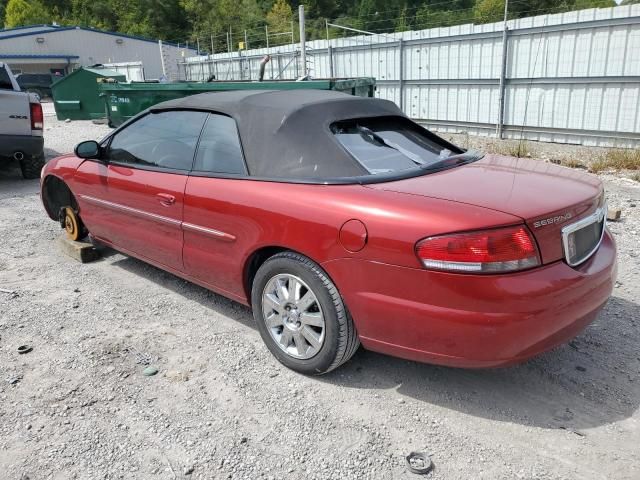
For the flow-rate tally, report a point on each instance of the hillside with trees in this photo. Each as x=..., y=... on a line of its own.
x=208, y=22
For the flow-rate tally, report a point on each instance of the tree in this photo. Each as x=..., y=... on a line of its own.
x=216, y=17
x=93, y=14
x=22, y=12
x=60, y=10
x=3, y=4
x=377, y=15
x=487, y=11
x=164, y=19
x=280, y=16
x=402, y=23
x=181, y=20
x=581, y=4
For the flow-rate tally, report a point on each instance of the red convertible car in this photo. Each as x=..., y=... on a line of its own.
x=340, y=221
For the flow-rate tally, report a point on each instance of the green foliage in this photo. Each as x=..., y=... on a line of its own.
x=430, y=17
x=152, y=18
x=402, y=23
x=210, y=21
x=487, y=11
x=217, y=17
x=581, y=4
x=279, y=17
x=24, y=12
x=373, y=15
x=93, y=14
x=3, y=4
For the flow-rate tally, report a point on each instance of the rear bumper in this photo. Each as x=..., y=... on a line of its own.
x=471, y=320
x=32, y=146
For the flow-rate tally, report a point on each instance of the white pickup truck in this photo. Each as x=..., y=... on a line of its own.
x=21, y=122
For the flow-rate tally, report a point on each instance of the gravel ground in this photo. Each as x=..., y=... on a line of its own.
x=563, y=154
x=79, y=406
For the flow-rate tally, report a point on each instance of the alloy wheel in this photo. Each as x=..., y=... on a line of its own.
x=293, y=316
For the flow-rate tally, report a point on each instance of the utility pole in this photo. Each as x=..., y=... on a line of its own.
x=503, y=73
x=245, y=63
x=212, y=49
x=266, y=34
x=401, y=73
x=230, y=45
x=229, y=62
x=164, y=70
x=303, y=47
x=329, y=49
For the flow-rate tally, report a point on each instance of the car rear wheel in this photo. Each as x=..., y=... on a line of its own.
x=301, y=316
x=31, y=166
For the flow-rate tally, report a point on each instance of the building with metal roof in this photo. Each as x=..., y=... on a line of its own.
x=61, y=49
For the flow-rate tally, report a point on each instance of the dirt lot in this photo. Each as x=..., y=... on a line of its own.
x=78, y=406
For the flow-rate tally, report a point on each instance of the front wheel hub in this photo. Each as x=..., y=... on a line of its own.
x=292, y=319
x=71, y=224
x=293, y=316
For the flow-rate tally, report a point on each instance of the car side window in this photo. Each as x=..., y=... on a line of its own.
x=164, y=139
x=5, y=81
x=219, y=150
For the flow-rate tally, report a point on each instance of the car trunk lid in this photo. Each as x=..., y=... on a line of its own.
x=547, y=197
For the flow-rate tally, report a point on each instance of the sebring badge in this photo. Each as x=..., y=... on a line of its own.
x=552, y=220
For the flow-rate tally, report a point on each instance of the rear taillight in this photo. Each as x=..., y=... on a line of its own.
x=488, y=251
x=37, y=118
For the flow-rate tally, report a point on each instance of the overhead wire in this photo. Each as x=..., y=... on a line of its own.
x=371, y=22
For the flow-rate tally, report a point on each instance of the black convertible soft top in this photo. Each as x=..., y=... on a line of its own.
x=285, y=133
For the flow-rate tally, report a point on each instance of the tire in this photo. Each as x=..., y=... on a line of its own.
x=31, y=166
x=335, y=342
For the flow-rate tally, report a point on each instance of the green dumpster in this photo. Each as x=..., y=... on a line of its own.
x=77, y=97
x=124, y=101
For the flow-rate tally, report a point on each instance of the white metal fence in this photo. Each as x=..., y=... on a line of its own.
x=571, y=78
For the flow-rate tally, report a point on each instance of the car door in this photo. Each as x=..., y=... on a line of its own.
x=215, y=229
x=133, y=197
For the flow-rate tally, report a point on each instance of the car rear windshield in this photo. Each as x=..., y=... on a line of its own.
x=34, y=78
x=5, y=81
x=385, y=145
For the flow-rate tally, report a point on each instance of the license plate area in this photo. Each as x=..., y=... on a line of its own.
x=582, y=238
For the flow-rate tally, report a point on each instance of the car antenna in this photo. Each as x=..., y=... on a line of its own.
x=526, y=103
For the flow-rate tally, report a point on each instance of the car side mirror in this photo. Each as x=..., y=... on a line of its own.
x=88, y=149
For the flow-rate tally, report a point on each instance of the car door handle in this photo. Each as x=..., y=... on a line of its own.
x=166, y=199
